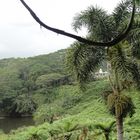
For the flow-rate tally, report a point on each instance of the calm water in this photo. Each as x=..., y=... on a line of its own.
x=7, y=124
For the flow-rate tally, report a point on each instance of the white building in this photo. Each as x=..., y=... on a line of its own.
x=101, y=74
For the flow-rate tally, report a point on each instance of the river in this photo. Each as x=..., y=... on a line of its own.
x=7, y=124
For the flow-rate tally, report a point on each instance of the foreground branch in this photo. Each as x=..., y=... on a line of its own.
x=116, y=40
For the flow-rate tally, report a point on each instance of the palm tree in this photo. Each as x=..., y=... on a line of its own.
x=83, y=59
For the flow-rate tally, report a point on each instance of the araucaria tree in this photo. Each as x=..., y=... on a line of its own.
x=83, y=60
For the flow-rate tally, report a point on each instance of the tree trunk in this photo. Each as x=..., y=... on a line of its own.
x=119, y=123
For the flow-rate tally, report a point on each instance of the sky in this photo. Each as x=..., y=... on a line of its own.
x=21, y=36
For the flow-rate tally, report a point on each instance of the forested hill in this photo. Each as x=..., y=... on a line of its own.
x=22, y=79
x=39, y=86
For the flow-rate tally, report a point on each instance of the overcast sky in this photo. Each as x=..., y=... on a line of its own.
x=21, y=36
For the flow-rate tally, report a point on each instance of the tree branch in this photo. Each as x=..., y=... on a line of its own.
x=116, y=40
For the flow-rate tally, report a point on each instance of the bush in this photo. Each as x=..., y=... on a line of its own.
x=69, y=102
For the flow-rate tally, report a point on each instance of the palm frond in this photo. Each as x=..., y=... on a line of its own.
x=136, y=50
x=88, y=18
x=97, y=22
x=135, y=71
x=124, y=65
x=83, y=60
x=121, y=12
x=134, y=38
x=119, y=61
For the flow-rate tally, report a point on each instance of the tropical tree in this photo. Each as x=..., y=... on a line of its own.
x=84, y=59
x=24, y=104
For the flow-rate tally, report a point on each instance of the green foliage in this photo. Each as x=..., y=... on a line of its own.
x=25, y=83
x=48, y=113
x=106, y=129
x=120, y=105
x=84, y=116
x=69, y=102
x=24, y=104
x=22, y=80
x=123, y=63
x=96, y=20
x=7, y=102
x=82, y=60
x=51, y=80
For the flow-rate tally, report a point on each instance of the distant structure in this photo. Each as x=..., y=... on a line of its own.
x=101, y=74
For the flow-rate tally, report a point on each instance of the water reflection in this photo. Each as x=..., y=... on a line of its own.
x=8, y=124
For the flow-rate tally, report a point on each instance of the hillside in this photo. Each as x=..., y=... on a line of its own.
x=28, y=79
x=76, y=112
x=40, y=87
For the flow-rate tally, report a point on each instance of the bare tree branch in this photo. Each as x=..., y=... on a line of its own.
x=116, y=40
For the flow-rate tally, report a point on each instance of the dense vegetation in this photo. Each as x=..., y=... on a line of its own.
x=122, y=60
x=27, y=83
x=78, y=118
x=40, y=86
x=61, y=109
